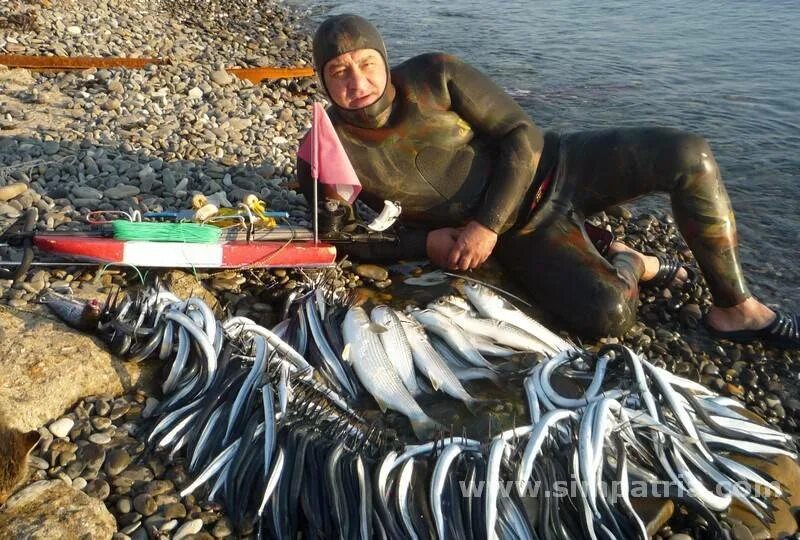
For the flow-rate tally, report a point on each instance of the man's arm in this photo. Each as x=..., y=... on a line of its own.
x=491, y=112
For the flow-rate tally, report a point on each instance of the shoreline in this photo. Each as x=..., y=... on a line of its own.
x=112, y=139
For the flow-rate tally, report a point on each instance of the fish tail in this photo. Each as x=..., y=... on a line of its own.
x=472, y=405
x=492, y=376
x=425, y=427
x=414, y=387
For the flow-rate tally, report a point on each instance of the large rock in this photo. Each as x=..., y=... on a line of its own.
x=783, y=472
x=786, y=474
x=45, y=367
x=52, y=509
x=184, y=285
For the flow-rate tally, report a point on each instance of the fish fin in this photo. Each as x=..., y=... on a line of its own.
x=346, y=352
x=377, y=328
x=423, y=387
x=382, y=405
x=436, y=383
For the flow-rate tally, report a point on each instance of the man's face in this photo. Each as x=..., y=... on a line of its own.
x=356, y=79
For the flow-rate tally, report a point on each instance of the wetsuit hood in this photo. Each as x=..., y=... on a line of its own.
x=341, y=34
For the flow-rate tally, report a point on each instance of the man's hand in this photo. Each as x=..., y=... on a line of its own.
x=473, y=246
x=440, y=243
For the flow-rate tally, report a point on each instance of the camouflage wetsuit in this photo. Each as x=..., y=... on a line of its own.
x=452, y=146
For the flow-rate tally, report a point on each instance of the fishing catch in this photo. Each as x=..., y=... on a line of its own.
x=266, y=422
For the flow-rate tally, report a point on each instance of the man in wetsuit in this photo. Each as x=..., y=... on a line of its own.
x=475, y=177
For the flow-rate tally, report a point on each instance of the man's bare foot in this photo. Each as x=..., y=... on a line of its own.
x=749, y=315
x=651, y=264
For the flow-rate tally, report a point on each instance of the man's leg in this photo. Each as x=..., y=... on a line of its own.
x=566, y=276
x=603, y=168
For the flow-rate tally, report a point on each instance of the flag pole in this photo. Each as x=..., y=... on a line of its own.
x=315, y=171
x=316, y=211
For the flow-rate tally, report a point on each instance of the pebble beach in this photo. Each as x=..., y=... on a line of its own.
x=150, y=139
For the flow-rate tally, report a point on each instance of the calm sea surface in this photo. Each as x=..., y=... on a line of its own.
x=729, y=70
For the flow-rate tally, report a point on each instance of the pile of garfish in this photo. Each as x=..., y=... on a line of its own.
x=271, y=432
x=384, y=352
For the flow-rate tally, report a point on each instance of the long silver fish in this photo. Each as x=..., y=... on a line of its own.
x=535, y=441
x=431, y=363
x=465, y=372
x=440, y=325
x=166, y=343
x=201, y=339
x=377, y=373
x=495, y=459
x=179, y=362
x=492, y=306
x=256, y=371
x=236, y=325
x=328, y=354
x=403, y=485
x=440, y=471
x=394, y=339
x=497, y=331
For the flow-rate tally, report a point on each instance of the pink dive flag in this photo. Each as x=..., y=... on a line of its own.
x=330, y=165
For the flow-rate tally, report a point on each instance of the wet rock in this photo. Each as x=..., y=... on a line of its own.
x=92, y=455
x=129, y=518
x=619, y=212
x=690, y=315
x=190, y=527
x=99, y=489
x=149, y=407
x=124, y=505
x=174, y=510
x=168, y=526
x=116, y=461
x=102, y=408
x=101, y=423
x=735, y=390
x=118, y=410
x=159, y=487
x=372, y=271
x=145, y=504
x=100, y=438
